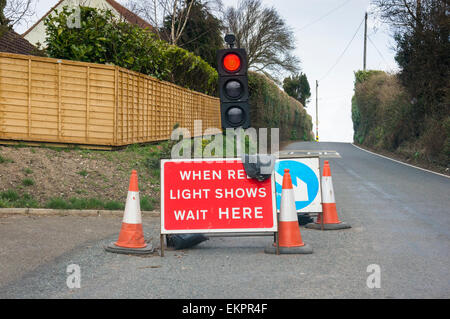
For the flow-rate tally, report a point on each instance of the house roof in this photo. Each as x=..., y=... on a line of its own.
x=42, y=18
x=129, y=16
x=13, y=42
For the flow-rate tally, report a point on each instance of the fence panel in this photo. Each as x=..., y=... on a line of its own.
x=51, y=100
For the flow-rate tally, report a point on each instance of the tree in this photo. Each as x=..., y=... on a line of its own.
x=156, y=11
x=298, y=87
x=3, y=20
x=15, y=12
x=4, y=23
x=421, y=31
x=269, y=42
x=202, y=34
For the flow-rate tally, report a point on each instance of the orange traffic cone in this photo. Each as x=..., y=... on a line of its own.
x=131, y=238
x=289, y=237
x=330, y=216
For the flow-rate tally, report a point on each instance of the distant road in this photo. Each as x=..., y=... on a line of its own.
x=400, y=219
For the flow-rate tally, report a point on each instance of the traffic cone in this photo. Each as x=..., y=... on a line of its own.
x=329, y=211
x=289, y=237
x=131, y=237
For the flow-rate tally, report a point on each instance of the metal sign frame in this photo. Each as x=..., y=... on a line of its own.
x=318, y=198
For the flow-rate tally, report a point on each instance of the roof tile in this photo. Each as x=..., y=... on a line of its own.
x=13, y=42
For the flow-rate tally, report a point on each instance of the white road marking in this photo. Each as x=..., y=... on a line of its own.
x=422, y=169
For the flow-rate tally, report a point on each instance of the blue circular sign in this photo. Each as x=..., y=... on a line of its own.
x=304, y=181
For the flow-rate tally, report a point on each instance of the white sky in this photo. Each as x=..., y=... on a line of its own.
x=320, y=41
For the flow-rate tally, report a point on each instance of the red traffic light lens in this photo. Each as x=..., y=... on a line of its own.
x=232, y=62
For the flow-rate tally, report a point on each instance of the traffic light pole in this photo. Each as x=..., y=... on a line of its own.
x=317, y=111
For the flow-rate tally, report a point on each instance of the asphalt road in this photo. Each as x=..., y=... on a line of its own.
x=400, y=219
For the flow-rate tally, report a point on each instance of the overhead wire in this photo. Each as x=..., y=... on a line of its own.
x=324, y=16
x=379, y=52
x=343, y=52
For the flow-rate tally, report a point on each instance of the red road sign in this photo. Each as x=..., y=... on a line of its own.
x=201, y=196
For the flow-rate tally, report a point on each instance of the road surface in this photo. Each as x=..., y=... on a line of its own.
x=400, y=219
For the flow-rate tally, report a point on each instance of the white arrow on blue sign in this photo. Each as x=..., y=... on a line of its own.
x=305, y=176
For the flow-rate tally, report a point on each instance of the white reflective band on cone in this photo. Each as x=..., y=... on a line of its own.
x=132, y=213
x=327, y=190
x=287, y=206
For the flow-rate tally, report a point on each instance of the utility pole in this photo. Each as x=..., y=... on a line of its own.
x=365, y=42
x=317, y=111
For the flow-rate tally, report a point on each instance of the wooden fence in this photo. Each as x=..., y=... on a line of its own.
x=60, y=101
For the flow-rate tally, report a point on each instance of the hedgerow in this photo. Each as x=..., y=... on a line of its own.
x=384, y=117
x=272, y=107
x=102, y=38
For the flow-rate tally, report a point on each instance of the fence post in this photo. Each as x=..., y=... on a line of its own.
x=59, y=101
x=116, y=105
x=29, y=96
x=88, y=97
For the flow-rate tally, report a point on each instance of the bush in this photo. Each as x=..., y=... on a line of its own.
x=104, y=39
x=380, y=110
x=271, y=107
x=190, y=71
x=384, y=117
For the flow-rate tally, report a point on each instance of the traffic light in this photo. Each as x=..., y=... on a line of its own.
x=233, y=87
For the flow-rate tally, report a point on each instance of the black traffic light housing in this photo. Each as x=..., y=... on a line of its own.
x=233, y=88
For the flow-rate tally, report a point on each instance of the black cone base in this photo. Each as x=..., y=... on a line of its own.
x=306, y=249
x=341, y=225
x=112, y=248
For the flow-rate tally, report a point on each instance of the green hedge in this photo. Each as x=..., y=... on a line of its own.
x=384, y=118
x=272, y=107
x=380, y=110
x=190, y=71
x=104, y=39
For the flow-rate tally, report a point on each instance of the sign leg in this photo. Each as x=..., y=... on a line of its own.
x=161, y=241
